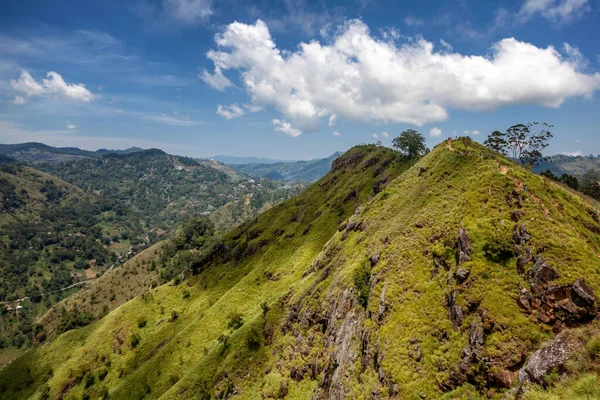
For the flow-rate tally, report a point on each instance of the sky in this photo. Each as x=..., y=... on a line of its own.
x=295, y=79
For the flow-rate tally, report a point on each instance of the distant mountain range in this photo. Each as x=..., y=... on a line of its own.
x=233, y=160
x=290, y=171
x=561, y=164
x=39, y=153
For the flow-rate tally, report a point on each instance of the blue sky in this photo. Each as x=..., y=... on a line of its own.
x=294, y=79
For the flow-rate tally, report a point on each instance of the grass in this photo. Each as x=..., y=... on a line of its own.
x=294, y=259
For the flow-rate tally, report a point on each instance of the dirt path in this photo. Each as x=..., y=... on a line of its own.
x=449, y=144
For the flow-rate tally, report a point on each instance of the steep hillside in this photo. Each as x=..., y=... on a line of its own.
x=290, y=171
x=445, y=284
x=283, y=241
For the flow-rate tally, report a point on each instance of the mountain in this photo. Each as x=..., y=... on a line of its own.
x=233, y=160
x=167, y=189
x=562, y=164
x=38, y=153
x=290, y=171
x=458, y=275
x=53, y=234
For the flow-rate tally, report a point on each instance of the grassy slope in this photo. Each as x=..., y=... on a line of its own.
x=201, y=303
x=180, y=357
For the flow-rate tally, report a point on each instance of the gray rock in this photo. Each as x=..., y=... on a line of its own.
x=375, y=259
x=464, y=246
x=521, y=235
x=542, y=362
x=541, y=275
x=582, y=294
x=462, y=274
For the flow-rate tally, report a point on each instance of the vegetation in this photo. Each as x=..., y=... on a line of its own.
x=293, y=171
x=410, y=143
x=349, y=290
x=522, y=142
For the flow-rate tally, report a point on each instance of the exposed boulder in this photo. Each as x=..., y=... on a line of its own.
x=582, y=294
x=464, y=246
x=462, y=274
x=546, y=360
x=595, y=215
x=541, y=275
x=375, y=259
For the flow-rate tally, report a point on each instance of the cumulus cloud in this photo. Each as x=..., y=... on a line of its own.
x=360, y=77
x=468, y=133
x=560, y=11
x=230, y=112
x=188, y=11
x=71, y=126
x=285, y=127
x=332, y=120
x=435, y=132
x=385, y=135
x=336, y=133
x=374, y=136
x=173, y=119
x=577, y=153
x=54, y=86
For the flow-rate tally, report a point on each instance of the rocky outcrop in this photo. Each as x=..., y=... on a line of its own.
x=455, y=314
x=462, y=275
x=557, y=305
x=546, y=360
x=471, y=353
x=464, y=246
x=521, y=238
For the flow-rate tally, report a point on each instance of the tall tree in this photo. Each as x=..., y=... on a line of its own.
x=523, y=143
x=411, y=143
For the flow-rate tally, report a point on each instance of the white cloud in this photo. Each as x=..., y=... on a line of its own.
x=474, y=132
x=216, y=80
x=189, y=11
x=411, y=20
x=363, y=78
x=285, y=127
x=577, y=153
x=375, y=136
x=19, y=100
x=54, y=86
x=332, y=119
x=578, y=141
x=385, y=135
x=560, y=11
x=230, y=112
x=446, y=45
x=71, y=126
x=336, y=133
x=435, y=132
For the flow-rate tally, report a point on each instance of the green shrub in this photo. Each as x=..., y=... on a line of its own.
x=362, y=279
x=235, y=320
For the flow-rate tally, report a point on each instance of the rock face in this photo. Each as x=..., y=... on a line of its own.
x=548, y=359
x=541, y=275
x=462, y=275
x=455, y=313
x=472, y=352
x=557, y=305
x=521, y=237
x=464, y=246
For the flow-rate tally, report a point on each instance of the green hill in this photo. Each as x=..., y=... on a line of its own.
x=384, y=279
x=33, y=153
x=53, y=235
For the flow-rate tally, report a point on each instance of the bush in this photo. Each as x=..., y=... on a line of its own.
x=135, y=340
x=142, y=321
x=235, y=320
x=362, y=279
